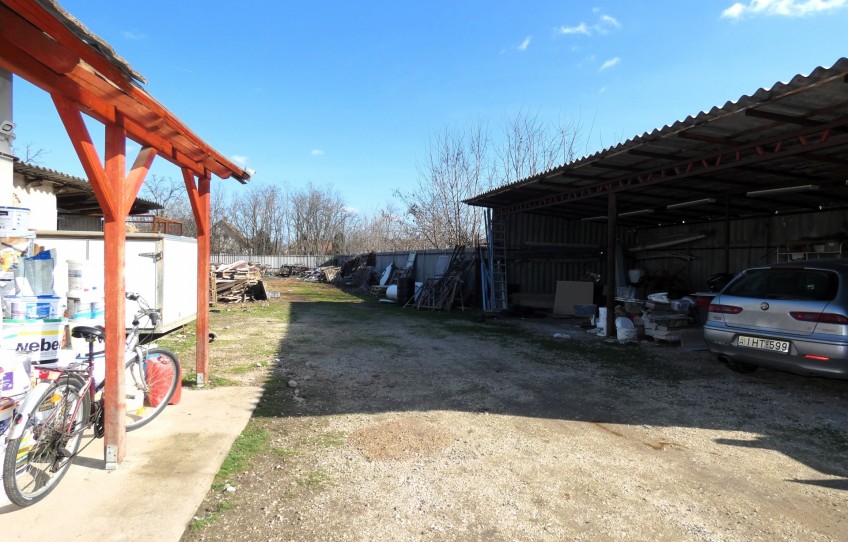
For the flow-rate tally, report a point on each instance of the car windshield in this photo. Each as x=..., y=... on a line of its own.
x=785, y=283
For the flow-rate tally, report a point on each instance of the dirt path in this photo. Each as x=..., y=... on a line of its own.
x=382, y=424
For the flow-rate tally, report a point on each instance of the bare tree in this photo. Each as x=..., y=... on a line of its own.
x=32, y=154
x=168, y=193
x=455, y=169
x=255, y=212
x=531, y=147
x=320, y=217
x=383, y=230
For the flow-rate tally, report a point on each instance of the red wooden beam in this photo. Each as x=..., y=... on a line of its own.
x=87, y=152
x=137, y=174
x=39, y=48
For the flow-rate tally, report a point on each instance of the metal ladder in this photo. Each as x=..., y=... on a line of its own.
x=497, y=263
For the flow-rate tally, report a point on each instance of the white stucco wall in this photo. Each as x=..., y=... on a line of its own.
x=41, y=202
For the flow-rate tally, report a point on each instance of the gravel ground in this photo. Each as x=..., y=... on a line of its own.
x=390, y=424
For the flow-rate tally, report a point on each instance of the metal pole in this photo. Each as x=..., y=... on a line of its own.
x=612, y=223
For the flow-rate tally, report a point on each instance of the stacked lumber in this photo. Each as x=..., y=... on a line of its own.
x=234, y=282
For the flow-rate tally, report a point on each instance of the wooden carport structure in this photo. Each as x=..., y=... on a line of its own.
x=782, y=150
x=44, y=45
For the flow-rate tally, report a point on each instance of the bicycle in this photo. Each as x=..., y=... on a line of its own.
x=51, y=421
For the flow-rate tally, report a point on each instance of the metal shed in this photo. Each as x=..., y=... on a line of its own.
x=781, y=152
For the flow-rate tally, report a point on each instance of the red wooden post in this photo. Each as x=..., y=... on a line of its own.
x=199, y=196
x=114, y=238
x=115, y=192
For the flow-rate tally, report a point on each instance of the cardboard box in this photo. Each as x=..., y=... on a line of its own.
x=570, y=293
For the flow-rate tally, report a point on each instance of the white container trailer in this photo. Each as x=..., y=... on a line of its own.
x=162, y=268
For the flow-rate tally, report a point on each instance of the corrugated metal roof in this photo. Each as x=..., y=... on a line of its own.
x=791, y=135
x=74, y=194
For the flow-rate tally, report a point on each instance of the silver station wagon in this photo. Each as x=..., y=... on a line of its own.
x=789, y=316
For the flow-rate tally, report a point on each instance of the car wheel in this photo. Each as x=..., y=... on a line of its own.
x=741, y=367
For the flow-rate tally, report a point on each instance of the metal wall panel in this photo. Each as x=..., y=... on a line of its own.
x=751, y=242
x=274, y=262
x=545, y=249
x=425, y=263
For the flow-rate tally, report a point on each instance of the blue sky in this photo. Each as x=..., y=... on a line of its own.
x=348, y=93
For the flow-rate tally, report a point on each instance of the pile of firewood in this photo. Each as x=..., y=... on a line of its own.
x=235, y=282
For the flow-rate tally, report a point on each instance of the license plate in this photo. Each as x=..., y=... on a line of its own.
x=763, y=344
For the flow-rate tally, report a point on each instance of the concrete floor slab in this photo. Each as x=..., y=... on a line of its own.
x=154, y=493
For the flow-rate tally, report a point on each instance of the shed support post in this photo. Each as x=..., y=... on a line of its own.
x=199, y=196
x=116, y=192
x=612, y=224
x=727, y=234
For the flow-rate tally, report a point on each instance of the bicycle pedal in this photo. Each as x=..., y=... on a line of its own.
x=99, y=425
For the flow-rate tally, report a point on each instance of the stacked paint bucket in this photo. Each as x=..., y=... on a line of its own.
x=33, y=326
x=85, y=298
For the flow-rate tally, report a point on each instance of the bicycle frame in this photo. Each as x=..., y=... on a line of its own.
x=133, y=353
x=36, y=392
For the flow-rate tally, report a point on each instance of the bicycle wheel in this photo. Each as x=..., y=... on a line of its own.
x=150, y=385
x=37, y=460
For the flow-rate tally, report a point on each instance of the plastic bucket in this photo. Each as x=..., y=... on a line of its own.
x=392, y=292
x=624, y=329
x=84, y=277
x=31, y=307
x=601, y=323
x=14, y=374
x=85, y=308
x=14, y=219
x=42, y=340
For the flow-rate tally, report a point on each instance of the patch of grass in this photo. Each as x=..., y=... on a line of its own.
x=213, y=517
x=315, y=479
x=242, y=369
x=250, y=443
x=320, y=292
x=324, y=440
x=189, y=380
x=284, y=453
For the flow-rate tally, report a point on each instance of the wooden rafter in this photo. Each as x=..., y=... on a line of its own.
x=40, y=49
x=810, y=139
x=54, y=53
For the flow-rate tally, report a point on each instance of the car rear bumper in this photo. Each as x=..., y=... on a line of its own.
x=723, y=342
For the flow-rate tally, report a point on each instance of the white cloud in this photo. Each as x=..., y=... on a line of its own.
x=135, y=36
x=525, y=44
x=783, y=8
x=604, y=25
x=239, y=159
x=610, y=21
x=317, y=152
x=579, y=29
x=610, y=63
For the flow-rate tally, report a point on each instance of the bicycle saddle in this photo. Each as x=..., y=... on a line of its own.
x=88, y=333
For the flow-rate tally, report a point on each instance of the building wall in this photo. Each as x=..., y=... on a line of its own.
x=41, y=202
x=750, y=242
x=542, y=250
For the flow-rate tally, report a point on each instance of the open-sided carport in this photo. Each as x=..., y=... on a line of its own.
x=780, y=151
x=43, y=44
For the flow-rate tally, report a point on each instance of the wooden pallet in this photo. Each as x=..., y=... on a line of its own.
x=378, y=290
